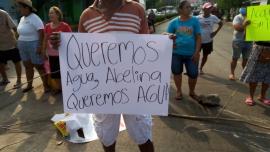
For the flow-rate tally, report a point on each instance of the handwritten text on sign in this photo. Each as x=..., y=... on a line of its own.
x=115, y=73
x=259, y=29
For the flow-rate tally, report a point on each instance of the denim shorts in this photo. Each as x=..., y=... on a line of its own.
x=177, y=65
x=28, y=51
x=241, y=47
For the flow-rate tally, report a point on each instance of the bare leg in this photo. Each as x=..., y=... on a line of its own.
x=29, y=71
x=233, y=66
x=43, y=75
x=252, y=88
x=3, y=71
x=192, y=84
x=18, y=69
x=263, y=90
x=244, y=62
x=204, y=60
x=178, y=84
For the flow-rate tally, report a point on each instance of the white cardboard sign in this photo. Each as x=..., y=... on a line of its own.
x=115, y=73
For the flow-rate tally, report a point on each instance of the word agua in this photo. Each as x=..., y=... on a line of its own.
x=113, y=75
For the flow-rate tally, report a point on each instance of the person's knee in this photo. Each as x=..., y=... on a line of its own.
x=234, y=60
x=28, y=65
x=192, y=71
x=39, y=67
x=193, y=75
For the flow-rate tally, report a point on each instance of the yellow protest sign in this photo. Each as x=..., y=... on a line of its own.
x=259, y=29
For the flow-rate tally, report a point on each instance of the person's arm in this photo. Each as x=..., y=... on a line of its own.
x=171, y=33
x=238, y=25
x=144, y=28
x=40, y=49
x=198, y=41
x=196, y=55
x=220, y=24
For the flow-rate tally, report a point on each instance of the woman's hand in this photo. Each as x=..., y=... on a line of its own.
x=172, y=37
x=196, y=57
x=55, y=40
x=246, y=23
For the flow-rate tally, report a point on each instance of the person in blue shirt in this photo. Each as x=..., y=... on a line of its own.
x=186, y=48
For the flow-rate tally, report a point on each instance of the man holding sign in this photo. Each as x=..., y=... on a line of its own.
x=239, y=45
x=121, y=16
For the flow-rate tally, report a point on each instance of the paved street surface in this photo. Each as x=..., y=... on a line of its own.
x=26, y=127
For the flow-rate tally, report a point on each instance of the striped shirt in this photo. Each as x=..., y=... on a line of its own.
x=129, y=18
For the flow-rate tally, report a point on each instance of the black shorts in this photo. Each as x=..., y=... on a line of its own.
x=12, y=55
x=207, y=48
x=55, y=67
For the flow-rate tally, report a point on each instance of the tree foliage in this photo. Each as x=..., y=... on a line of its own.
x=227, y=4
x=154, y=3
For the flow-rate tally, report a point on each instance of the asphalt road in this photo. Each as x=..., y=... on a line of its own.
x=197, y=129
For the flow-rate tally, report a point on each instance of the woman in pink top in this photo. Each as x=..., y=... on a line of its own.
x=56, y=25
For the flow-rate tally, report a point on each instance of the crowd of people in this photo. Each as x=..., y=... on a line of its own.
x=33, y=43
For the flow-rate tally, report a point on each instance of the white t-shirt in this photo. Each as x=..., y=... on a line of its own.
x=207, y=25
x=238, y=35
x=28, y=28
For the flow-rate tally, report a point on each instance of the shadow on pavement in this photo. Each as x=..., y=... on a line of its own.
x=229, y=135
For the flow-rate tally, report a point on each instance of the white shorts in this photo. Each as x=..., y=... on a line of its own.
x=139, y=127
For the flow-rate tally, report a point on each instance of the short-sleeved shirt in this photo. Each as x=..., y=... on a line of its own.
x=7, y=36
x=238, y=35
x=186, y=32
x=29, y=26
x=129, y=18
x=63, y=27
x=207, y=24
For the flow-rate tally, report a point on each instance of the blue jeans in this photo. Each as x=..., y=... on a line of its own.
x=177, y=65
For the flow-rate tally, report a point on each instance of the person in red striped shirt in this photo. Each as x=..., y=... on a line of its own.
x=121, y=16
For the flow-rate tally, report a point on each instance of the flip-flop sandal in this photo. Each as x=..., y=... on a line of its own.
x=179, y=97
x=17, y=85
x=196, y=98
x=4, y=82
x=249, y=102
x=265, y=101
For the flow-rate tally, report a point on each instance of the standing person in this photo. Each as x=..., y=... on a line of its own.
x=257, y=71
x=151, y=21
x=30, y=43
x=56, y=25
x=117, y=16
x=207, y=21
x=8, y=50
x=186, y=48
x=239, y=45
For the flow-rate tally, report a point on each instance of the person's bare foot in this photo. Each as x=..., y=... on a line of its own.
x=232, y=77
x=179, y=96
x=196, y=98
